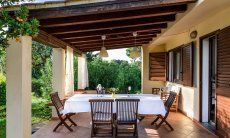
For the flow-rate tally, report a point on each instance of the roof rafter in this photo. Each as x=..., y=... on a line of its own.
x=52, y=41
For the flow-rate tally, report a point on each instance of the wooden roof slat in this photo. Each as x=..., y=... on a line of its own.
x=108, y=48
x=111, y=25
x=112, y=45
x=52, y=41
x=100, y=7
x=98, y=40
x=156, y=27
x=81, y=26
x=117, y=35
x=107, y=43
x=114, y=16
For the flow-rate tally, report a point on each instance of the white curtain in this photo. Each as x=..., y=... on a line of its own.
x=83, y=80
x=69, y=87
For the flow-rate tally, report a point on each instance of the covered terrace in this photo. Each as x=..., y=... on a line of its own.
x=76, y=27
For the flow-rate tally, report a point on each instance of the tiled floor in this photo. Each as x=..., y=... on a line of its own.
x=184, y=128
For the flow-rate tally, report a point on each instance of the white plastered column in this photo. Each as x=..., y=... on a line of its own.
x=83, y=80
x=69, y=87
x=18, y=88
x=58, y=80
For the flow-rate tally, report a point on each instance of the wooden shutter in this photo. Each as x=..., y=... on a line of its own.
x=187, y=64
x=167, y=66
x=157, y=66
x=223, y=58
x=223, y=82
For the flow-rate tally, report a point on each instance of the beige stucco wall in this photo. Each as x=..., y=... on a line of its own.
x=189, y=100
x=147, y=85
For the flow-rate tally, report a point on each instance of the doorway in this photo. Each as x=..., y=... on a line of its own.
x=208, y=80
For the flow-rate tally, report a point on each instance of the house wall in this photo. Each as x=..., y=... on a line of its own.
x=189, y=100
x=147, y=85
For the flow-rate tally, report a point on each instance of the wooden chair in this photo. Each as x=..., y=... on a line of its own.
x=164, y=97
x=59, y=108
x=102, y=116
x=126, y=114
x=167, y=105
x=156, y=90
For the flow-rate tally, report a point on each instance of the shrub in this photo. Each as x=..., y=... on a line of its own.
x=2, y=89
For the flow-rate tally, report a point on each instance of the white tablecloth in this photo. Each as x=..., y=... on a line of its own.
x=149, y=103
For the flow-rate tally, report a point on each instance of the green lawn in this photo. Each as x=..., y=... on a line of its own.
x=40, y=113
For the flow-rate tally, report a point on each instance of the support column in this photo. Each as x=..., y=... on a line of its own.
x=83, y=80
x=18, y=88
x=69, y=87
x=58, y=80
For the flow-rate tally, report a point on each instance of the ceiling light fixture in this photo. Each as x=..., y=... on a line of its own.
x=103, y=52
x=135, y=52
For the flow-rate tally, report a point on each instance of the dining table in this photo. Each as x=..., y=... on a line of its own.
x=149, y=104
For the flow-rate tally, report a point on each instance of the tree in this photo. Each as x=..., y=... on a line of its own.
x=41, y=69
x=15, y=24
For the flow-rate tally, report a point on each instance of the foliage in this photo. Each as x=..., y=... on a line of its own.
x=16, y=24
x=115, y=74
x=75, y=62
x=40, y=110
x=2, y=89
x=41, y=70
x=113, y=90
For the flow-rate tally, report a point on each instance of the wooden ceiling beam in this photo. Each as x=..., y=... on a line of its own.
x=109, y=48
x=110, y=36
x=102, y=7
x=114, y=16
x=112, y=39
x=111, y=25
x=112, y=45
x=47, y=39
x=109, y=42
x=155, y=27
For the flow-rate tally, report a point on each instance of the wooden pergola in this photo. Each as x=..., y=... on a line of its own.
x=81, y=26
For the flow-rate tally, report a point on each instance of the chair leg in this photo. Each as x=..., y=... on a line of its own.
x=116, y=130
x=154, y=121
x=60, y=123
x=68, y=117
x=135, y=131
x=92, y=131
x=112, y=129
x=169, y=125
x=68, y=127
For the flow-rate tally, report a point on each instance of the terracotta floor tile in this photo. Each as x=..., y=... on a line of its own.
x=184, y=127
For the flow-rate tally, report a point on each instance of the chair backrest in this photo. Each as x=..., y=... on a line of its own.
x=156, y=90
x=101, y=110
x=127, y=110
x=170, y=100
x=56, y=102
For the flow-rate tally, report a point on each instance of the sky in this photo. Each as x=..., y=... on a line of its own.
x=118, y=54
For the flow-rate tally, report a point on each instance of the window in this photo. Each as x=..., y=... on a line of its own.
x=177, y=65
x=181, y=65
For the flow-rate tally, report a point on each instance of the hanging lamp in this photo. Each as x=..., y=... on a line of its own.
x=135, y=52
x=103, y=52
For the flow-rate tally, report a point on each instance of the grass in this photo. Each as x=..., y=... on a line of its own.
x=40, y=113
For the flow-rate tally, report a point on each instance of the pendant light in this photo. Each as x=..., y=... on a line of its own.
x=103, y=52
x=135, y=52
